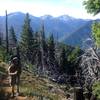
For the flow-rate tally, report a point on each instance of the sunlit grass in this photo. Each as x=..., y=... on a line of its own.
x=35, y=86
x=3, y=71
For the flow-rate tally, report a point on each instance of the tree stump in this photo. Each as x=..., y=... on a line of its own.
x=78, y=93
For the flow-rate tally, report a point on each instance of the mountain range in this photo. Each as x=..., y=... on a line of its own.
x=67, y=29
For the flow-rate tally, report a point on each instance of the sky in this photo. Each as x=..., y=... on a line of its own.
x=55, y=8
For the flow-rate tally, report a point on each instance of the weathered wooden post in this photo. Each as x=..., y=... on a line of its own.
x=78, y=93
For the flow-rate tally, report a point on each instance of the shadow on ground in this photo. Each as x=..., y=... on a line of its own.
x=3, y=95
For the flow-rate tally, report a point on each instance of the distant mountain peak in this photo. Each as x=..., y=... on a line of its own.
x=16, y=13
x=68, y=29
x=66, y=17
x=47, y=17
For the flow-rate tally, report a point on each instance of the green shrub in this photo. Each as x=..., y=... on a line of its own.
x=2, y=53
x=96, y=89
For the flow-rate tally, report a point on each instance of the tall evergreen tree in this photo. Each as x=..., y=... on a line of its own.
x=63, y=60
x=37, y=47
x=43, y=49
x=51, y=53
x=38, y=57
x=0, y=39
x=43, y=40
x=12, y=37
x=76, y=52
x=27, y=41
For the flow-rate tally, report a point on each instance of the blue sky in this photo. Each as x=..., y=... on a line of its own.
x=47, y=7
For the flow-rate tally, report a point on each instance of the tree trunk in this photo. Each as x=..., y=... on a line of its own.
x=7, y=41
x=78, y=94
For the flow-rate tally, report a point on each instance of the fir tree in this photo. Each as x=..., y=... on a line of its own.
x=12, y=36
x=51, y=53
x=43, y=39
x=37, y=54
x=0, y=39
x=43, y=49
x=72, y=59
x=27, y=41
x=63, y=60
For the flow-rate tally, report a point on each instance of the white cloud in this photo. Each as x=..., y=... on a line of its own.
x=39, y=9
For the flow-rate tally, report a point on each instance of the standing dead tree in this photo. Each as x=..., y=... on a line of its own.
x=90, y=64
x=7, y=41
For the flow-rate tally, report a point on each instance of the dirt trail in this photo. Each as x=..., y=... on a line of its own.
x=5, y=89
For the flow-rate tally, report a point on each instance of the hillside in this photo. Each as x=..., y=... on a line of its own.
x=80, y=36
x=31, y=87
x=64, y=28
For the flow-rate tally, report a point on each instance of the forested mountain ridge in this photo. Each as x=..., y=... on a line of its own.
x=80, y=36
x=64, y=28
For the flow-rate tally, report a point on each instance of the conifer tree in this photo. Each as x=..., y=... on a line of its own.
x=27, y=41
x=51, y=53
x=43, y=49
x=38, y=57
x=12, y=36
x=63, y=60
x=76, y=52
x=0, y=39
x=43, y=39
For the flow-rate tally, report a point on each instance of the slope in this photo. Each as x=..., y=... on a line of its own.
x=79, y=36
x=31, y=87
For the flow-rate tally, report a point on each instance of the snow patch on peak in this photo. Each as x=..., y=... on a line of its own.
x=46, y=17
x=66, y=18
